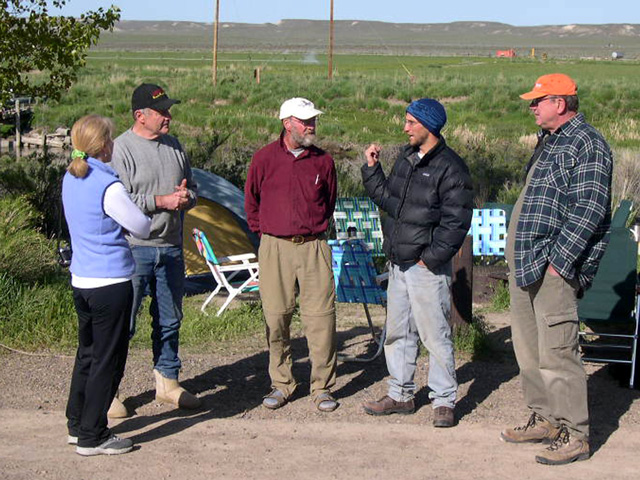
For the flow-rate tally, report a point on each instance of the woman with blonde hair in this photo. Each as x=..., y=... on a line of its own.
x=98, y=211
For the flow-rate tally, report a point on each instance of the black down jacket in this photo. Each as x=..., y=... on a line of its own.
x=428, y=201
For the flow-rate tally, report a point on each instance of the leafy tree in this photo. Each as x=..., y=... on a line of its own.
x=40, y=54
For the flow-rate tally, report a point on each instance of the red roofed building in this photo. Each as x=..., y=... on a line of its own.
x=511, y=53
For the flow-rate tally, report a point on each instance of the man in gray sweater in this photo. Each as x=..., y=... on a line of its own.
x=155, y=170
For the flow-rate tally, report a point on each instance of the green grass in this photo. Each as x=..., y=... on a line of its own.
x=501, y=299
x=365, y=102
x=489, y=125
x=199, y=330
x=472, y=338
x=37, y=316
x=41, y=316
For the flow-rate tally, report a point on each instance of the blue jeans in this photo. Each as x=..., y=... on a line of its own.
x=419, y=305
x=160, y=274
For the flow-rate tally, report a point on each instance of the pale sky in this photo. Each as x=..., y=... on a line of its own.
x=514, y=12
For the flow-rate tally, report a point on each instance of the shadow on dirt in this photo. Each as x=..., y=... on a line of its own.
x=239, y=387
x=234, y=389
x=609, y=399
x=609, y=396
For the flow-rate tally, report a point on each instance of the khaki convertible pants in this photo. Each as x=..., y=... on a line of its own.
x=282, y=265
x=544, y=327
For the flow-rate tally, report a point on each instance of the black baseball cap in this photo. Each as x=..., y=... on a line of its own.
x=153, y=96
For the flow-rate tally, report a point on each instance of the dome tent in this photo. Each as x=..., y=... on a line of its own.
x=220, y=214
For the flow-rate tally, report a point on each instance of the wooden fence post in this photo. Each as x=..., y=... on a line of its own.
x=18, y=140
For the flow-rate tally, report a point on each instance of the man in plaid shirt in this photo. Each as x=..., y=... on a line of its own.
x=557, y=236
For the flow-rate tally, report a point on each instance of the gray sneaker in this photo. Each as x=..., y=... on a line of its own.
x=72, y=439
x=274, y=400
x=326, y=403
x=114, y=445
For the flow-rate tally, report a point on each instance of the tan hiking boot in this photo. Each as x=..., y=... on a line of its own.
x=536, y=430
x=117, y=408
x=564, y=449
x=168, y=390
x=387, y=405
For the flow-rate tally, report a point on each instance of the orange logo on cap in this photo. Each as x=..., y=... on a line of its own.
x=157, y=93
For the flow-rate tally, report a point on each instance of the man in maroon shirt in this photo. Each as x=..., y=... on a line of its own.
x=290, y=195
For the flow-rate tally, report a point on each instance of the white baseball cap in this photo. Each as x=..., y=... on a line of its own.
x=298, y=107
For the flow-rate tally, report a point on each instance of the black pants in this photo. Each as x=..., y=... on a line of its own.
x=103, y=342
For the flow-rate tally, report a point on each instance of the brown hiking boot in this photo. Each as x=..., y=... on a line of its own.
x=536, y=430
x=564, y=449
x=443, y=417
x=387, y=405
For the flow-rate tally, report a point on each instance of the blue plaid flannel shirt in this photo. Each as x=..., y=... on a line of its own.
x=566, y=213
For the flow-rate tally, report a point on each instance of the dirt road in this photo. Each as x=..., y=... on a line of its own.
x=233, y=437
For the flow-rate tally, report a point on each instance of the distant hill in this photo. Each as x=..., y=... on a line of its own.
x=456, y=38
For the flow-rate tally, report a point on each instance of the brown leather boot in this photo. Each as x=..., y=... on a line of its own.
x=168, y=390
x=564, y=449
x=536, y=430
x=443, y=417
x=387, y=405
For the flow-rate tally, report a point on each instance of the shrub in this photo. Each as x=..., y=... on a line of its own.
x=626, y=178
x=204, y=147
x=25, y=254
x=492, y=165
x=38, y=178
x=509, y=193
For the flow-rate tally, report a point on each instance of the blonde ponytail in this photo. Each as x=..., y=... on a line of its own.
x=89, y=135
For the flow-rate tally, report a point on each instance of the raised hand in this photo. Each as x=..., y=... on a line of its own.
x=372, y=154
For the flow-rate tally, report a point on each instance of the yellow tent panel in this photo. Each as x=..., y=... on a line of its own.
x=222, y=229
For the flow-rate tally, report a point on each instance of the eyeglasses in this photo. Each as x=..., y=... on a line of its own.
x=148, y=110
x=538, y=101
x=310, y=122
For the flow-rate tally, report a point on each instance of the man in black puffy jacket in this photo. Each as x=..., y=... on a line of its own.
x=428, y=200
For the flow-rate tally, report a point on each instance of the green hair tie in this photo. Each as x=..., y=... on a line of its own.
x=78, y=154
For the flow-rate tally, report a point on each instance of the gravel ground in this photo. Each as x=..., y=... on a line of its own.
x=232, y=380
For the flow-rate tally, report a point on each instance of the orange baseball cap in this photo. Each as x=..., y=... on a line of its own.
x=552, y=84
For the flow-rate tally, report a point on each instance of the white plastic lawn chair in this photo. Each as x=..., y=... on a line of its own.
x=224, y=269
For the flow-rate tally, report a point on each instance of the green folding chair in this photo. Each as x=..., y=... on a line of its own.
x=359, y=218
x=609, y=309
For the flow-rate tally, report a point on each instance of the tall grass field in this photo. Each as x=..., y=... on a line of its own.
x=364, y=102
x=222, y=125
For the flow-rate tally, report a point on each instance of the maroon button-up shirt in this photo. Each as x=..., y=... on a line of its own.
x=285, y=195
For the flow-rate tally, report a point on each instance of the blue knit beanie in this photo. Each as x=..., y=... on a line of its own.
x=430, y=113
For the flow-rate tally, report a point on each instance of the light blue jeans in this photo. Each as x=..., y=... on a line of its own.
x=160, y=274
x=419, y=305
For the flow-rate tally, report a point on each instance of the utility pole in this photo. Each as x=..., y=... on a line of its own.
x=331, y=44
x=215, y=44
